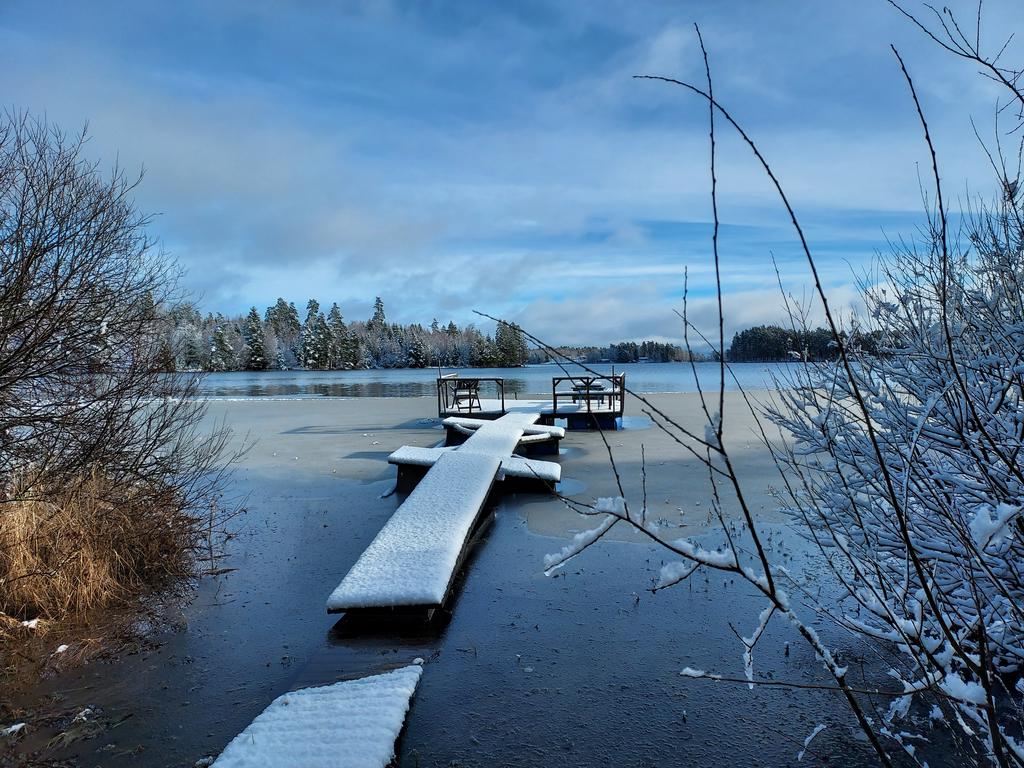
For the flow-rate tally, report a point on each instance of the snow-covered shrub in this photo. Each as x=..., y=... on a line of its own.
x=907, y=470
x=904, y=466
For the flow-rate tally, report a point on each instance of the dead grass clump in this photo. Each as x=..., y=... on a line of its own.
x=90, y=547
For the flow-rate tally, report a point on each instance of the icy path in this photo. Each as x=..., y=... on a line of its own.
x=352, y=724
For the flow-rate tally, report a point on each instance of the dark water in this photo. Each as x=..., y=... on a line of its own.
x=578, y=670
x=536, y=380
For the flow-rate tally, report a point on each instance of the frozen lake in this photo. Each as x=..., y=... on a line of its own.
x=534, y=380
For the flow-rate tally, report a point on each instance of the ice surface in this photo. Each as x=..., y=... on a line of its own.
x=351, y=724
x=413, y=558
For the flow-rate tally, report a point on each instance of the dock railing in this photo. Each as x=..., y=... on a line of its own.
x=602, y=394
x=457, y=395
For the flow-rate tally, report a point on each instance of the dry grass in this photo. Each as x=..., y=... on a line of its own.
x=91, y=547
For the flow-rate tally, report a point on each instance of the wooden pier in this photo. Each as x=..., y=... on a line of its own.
x=413, y=560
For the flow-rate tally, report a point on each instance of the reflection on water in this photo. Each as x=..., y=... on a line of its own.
x=531, y=380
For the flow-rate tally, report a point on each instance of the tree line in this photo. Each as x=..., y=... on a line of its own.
x=773, y=343
x=625, y=352
x=280, y=339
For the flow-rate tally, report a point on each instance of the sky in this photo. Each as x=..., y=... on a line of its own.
x=458, y=156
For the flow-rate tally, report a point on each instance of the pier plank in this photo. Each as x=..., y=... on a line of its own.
x=351, y=724
x=413, y=560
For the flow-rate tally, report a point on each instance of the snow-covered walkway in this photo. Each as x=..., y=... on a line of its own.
x=352, y=724
x=413, y=560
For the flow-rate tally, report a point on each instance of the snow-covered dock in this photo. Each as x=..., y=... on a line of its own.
x=511, y=466
x=501, y=438
x=582, y=402
x=412, y=562
x=414, y=558
x=352, y=724
x=536, y=438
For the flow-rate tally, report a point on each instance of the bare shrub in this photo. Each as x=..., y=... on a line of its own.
x=107, y=480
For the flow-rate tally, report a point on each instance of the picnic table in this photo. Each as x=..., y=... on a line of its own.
x=589, y=389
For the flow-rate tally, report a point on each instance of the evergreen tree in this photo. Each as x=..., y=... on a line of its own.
x=316, y=338
x=222, y=356
x=417, y=356
x=339, y=339
x=283, y=320
x=379, y=319
x=254, y=342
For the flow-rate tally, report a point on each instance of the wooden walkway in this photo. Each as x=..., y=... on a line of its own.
x=352, y=724
x=413, y=560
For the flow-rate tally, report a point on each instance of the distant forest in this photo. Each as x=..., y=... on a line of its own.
x=280, y=339
x=772, y=343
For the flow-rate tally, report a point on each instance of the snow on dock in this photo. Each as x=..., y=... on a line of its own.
x=501, y=436
x=352, y=724
x=511, y=466
x=467, y=426
x=412, y=561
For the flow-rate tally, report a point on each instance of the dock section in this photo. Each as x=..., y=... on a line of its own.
x=412, y=562
x=536, y=438
x=581, y=402
x=352, y=724
x=414, y=558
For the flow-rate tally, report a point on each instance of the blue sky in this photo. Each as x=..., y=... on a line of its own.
x=452, y=156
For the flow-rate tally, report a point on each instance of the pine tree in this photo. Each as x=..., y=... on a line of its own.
x=254, y=341
x=521, y=351
x=283, y=320
x=222, y=356
x=339, y=339
x=316, y=338
x=417, y=356
x=379, y=319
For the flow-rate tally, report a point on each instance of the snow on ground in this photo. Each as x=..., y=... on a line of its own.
x=351, y=724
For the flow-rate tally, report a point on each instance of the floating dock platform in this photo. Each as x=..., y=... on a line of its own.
x=582, y=402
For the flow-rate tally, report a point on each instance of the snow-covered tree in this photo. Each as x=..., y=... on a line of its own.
x=340, y=340
x=902, y=467
x=316, y=338
x=254, y=342
x=222, y=355
x=379, y=319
